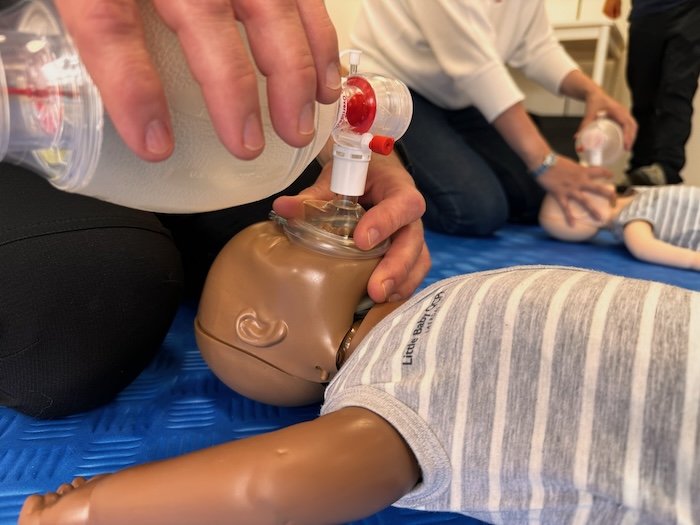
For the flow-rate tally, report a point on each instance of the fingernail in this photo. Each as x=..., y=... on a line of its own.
x=253, y=137
x=307, y=120
x=387, y=287
x=158, y=138
x=372, y=236
x=394, y=297
x=333, y=76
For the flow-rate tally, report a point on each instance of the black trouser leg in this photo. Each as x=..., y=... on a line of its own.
x=88, y=291
x=679, y=82
x=201, y=236
x=662, y=74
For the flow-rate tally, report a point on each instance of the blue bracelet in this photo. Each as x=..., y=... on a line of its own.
x=549, y=161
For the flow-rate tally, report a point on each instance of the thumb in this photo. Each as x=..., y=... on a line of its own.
x=289, y=206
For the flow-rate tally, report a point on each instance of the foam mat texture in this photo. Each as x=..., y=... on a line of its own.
x=177, y=405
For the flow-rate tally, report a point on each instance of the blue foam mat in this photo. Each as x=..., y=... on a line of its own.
x=177, y=405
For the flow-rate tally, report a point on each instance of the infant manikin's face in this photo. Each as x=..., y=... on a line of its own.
x=273, y=315
x=585, y=226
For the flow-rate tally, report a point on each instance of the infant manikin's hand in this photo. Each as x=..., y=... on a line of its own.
x=69, y=505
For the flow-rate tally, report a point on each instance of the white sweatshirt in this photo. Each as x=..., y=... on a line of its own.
x=455, y=52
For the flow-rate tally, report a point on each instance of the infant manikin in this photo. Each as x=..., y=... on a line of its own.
x=517, y=394
x=659, y=224
x=584, y=226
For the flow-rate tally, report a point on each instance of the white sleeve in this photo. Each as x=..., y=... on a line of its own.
x=463, y=41
x=540, y=56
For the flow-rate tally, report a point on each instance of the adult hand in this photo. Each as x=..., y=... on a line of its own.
x=293, y=43
x=598, y=100
x=569, y=181
x=394, y=210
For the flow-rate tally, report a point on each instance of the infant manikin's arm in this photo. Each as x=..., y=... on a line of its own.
x=338, y=468
x=640, y=241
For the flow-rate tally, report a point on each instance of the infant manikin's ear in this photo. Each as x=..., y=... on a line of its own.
x=258, y=332
x=252, y=377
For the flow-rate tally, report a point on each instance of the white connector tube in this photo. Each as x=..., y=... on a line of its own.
x=350, y=167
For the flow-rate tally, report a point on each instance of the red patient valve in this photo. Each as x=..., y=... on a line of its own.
x=374, y=112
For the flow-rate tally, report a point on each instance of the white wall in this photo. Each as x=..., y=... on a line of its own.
x=691, y=172
x=344, y=13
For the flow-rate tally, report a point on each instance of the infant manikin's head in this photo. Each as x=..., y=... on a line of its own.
x=274, y=315
x=585, y=226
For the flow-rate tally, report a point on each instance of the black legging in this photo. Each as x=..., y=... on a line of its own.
x=88, y=289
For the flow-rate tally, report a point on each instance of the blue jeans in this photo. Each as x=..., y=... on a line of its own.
x=472, y=181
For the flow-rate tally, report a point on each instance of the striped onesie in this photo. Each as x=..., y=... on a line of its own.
x=541, y=394
x=673, y=211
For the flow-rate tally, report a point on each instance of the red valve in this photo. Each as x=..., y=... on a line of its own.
x=381, y=145
x=362, y=107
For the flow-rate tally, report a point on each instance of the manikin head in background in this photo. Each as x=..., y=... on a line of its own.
x=584, y=227
x=658, y=224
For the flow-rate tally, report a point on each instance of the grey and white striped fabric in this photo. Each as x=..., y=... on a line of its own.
x=673, y=211
x=541, y=395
